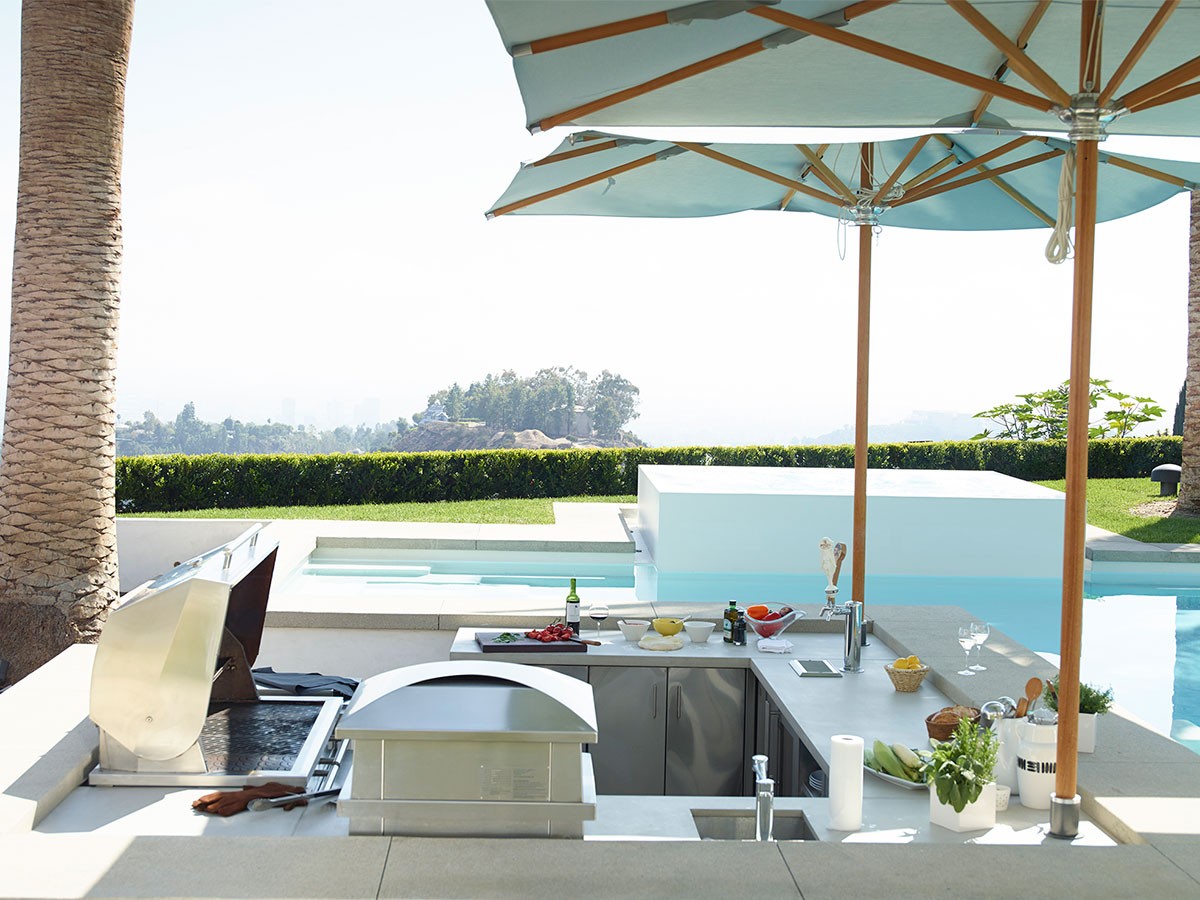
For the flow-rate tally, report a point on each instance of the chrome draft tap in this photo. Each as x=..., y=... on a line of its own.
x=831, y=564
x=764, y=800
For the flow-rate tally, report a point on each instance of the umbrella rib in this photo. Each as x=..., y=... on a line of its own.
x=647, y=87
x=573, y=186
x=1122, y=163
x=986, y=174
x=1144, y=96
x=666, y=17
x=921, y=177
x=578, y=151
x=1180, y=93
x=752, y=169
x=1031, y=24
x=1017, y=59
x=975, y=163
x=805, y=171
x=827, y=175
x=901, y=169
x=1137, y=50
x=904, y=58
x=684, y=73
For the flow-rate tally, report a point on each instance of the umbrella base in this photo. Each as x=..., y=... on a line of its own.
x=1064, y=816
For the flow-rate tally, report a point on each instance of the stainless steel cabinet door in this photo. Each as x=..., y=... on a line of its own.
x=706, y=732
x=631, y=705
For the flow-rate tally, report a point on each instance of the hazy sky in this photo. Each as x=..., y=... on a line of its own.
x=304, y=188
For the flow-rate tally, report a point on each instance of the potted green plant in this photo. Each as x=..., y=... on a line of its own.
x=1093, y=702
x=962, y=795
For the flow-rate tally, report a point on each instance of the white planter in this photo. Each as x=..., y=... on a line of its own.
x=1087, y=732
x=975, y=816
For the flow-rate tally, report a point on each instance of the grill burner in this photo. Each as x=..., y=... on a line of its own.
x=239, y=738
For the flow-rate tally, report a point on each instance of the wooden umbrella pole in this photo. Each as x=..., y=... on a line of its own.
x=1075, y=526
x=858, y=570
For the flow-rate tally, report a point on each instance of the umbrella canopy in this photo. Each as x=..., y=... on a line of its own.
x=915, y=64
x=945, y=182
x=1086, y=67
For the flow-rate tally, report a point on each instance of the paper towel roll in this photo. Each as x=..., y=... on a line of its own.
x=845, y=782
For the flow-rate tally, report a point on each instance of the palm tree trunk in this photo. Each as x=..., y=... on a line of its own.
x=1189, y=486
x=58, y=553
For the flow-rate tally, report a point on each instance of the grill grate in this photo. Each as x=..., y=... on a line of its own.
x=241, y=738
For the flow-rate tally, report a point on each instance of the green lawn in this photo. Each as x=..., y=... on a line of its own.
x=1110, y=499
x=483, y=512
x=1109, y=502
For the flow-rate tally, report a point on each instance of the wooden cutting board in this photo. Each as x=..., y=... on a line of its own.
x=485, y=640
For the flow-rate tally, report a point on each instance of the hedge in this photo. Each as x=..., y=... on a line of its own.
x=171, y=483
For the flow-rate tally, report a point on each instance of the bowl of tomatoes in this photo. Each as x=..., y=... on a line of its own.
x=768, y=620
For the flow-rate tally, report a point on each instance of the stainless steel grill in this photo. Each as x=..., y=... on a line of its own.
x=172, y=691
x=470, y=748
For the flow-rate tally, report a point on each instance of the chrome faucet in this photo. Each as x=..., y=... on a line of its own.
x=831, y=563
x=764, y=800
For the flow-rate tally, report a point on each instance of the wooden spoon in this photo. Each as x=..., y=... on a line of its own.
x=1022, y=707
x=1033, y=689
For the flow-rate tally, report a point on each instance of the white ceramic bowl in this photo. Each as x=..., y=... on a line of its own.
x=699, y=631
x=633, y=629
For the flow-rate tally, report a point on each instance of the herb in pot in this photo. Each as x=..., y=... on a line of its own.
x=1091, y=698
x=960, y=767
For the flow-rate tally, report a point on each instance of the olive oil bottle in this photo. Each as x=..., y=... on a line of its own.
x=731, y=615
x=572, y=618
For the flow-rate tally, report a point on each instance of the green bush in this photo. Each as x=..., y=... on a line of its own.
x=172, y=483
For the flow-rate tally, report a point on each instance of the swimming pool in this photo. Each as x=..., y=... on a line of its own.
x=1142, y=640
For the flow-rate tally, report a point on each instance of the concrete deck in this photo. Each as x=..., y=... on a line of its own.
x=1142, y=787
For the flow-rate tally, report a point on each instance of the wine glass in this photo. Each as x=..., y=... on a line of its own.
x=597, y=612
x=980, y=632
x=966, y=640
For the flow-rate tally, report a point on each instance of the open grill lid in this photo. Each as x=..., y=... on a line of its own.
x=180, y=641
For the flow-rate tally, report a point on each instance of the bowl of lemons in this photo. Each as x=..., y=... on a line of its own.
x=667, y=625
x=906, y=673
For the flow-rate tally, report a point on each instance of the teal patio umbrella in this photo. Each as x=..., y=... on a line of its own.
x=942, y=182
x=1086, y=68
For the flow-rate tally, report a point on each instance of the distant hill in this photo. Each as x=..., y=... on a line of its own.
x=477, y=436
x=921, y=425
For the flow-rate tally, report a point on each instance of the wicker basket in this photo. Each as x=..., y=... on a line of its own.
x=906, y=680
x=943, y=731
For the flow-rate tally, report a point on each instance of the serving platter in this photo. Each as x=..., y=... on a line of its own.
x=899, y=782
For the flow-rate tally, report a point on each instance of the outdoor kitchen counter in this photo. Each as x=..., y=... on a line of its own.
x=863, y=703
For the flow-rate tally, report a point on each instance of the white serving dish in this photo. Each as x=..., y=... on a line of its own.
x=899, y=782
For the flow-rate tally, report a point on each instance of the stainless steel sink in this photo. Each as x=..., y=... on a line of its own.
x=738, y=825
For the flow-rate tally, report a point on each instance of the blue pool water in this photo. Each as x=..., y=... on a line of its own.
x=1141, y=640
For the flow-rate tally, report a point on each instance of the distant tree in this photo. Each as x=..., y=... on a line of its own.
x=454, y=403
x=1042, y=415
x=615, y=401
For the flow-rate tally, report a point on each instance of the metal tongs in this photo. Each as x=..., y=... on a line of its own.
x=263, y=803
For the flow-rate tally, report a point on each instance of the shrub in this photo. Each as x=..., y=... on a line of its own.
x=172, y=483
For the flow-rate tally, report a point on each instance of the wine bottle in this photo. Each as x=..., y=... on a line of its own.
x=573, y=609
x=730, y=618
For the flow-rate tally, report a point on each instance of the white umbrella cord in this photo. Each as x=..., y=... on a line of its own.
x=1058, y=249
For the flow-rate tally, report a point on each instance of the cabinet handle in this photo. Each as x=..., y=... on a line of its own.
x=679, y=701
x=654, y=703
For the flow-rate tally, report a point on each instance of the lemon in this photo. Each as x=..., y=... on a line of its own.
x=901, y=663
x=914, y=662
